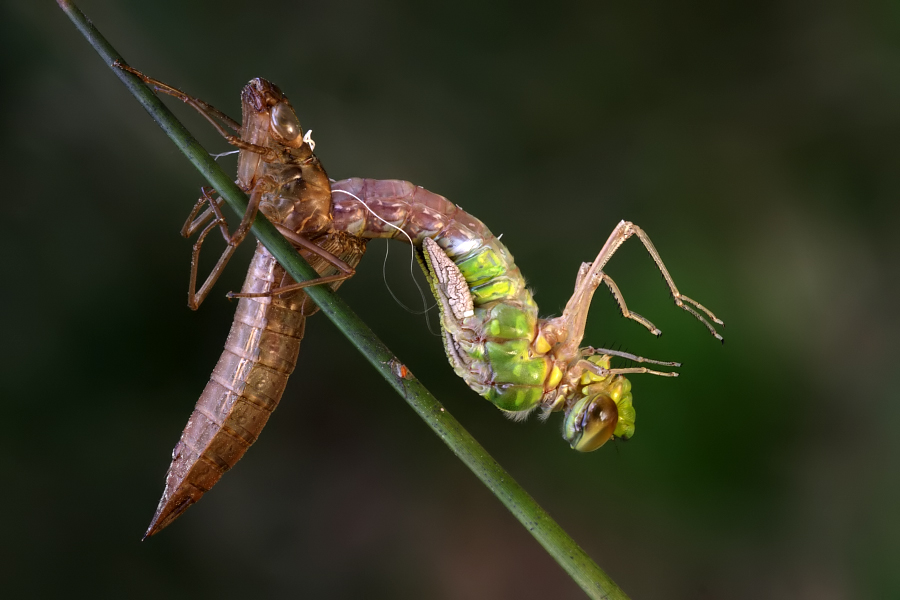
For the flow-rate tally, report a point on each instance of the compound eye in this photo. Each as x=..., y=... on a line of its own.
x=591, y=422
x=285, y=122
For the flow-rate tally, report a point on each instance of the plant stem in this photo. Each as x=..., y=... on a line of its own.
x=550, y=535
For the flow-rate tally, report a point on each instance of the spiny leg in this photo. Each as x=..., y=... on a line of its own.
x=191, y=225
x=623, y=231
x=207, y=110
x=195, y=298
x=204, y=108
x=598, y=370
x=298, y=240
x=590, y=351
x=234, y=240
x=617, y=294
x=620, y=300
x=292, y=287
x=680, y=299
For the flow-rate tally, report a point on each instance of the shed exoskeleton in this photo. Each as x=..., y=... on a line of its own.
x=286, y=182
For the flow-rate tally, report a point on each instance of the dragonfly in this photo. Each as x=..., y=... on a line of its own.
x=491, y=331
x=492, y=335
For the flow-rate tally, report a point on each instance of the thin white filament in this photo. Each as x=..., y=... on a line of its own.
x=412, y=259
x=220, y=155
x=308, y=139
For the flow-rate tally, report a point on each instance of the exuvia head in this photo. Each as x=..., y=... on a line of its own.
x=266, y=98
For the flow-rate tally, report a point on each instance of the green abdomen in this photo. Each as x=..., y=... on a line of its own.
x=505, y=368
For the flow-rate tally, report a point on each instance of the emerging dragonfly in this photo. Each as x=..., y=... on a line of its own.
x=492, y=334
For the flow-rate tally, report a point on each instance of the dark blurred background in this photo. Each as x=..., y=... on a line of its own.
x=757, y=142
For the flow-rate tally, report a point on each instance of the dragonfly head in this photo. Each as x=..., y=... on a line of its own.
x=600, y=408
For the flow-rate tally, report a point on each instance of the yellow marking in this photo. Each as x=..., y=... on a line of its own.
x=541, y=345
x=555, y=378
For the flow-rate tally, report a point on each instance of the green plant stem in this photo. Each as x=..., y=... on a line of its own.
x=550, y=535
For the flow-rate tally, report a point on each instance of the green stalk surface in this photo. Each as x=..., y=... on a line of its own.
x=584, y=571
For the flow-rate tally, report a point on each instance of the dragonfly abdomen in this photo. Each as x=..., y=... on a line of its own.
x=491, y=349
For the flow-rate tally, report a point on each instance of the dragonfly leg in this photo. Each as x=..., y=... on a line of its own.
x=209, y=111
x=196, y=297
x=191, y=225
x=623, y=231
x=568, y=329
x=617, y=294
x=346, y=271
x=681, y=300
x=598, y=370
x=591, y=351
x=628, y=314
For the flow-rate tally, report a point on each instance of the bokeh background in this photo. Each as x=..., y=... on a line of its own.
x=757, y=142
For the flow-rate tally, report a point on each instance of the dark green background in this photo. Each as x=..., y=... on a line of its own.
x=757, y=143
